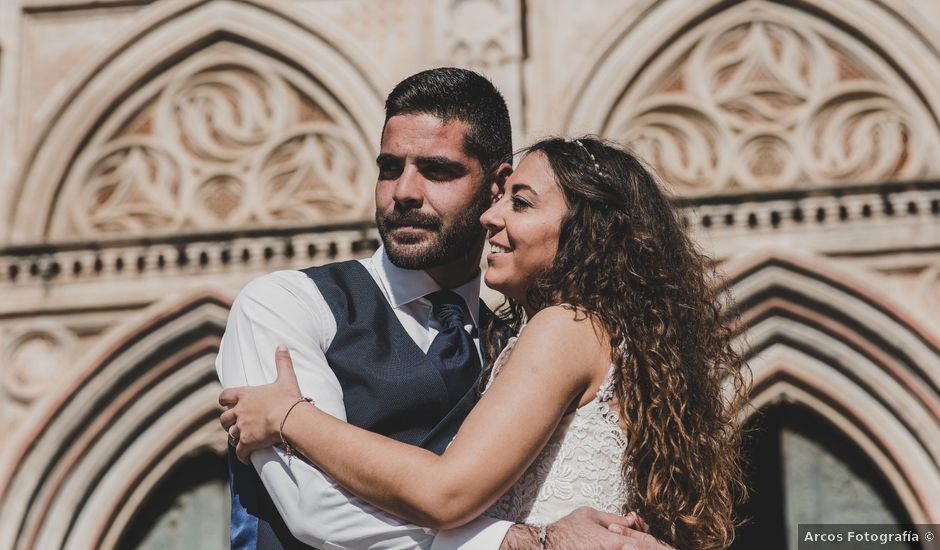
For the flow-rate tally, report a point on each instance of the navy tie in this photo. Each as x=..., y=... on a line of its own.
x=452, y=352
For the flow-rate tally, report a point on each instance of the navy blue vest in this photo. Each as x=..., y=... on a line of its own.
x=388, y=388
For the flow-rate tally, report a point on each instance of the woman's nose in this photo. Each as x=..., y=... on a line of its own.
x=491, y=219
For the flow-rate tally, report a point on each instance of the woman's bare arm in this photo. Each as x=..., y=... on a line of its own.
x=552, y=365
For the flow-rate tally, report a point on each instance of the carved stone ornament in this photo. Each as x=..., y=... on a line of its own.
x=479, y=34
x=32, y=359
x=767, y=97
x=228, y=138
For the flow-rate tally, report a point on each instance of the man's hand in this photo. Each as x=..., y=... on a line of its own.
x=587, y=529
x=639, y=535
x=643, y=541
x=583, y=529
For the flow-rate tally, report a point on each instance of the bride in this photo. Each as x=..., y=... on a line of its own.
x=619, y=392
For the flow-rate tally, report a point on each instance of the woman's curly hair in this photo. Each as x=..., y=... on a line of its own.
x=624, y=258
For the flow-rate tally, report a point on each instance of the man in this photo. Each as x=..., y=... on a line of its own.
x=369, y=342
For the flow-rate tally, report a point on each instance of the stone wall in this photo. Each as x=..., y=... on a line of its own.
x=157, y=155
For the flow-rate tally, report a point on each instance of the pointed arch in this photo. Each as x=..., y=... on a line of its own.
x=756, y=93
x=817, y=337
x=143, y=402
x=166, y=36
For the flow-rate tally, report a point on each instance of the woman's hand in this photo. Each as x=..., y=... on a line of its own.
x=254, y=414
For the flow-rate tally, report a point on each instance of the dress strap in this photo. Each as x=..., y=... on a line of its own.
x=606, y=391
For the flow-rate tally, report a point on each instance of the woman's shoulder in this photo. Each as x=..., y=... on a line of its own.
x=567, y=330
x=564, y=318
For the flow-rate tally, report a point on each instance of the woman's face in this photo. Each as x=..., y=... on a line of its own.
x=524, y=224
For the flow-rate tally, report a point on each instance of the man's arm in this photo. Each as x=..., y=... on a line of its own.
x=286, y=308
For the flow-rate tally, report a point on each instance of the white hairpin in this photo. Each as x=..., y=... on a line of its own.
x=597, y=167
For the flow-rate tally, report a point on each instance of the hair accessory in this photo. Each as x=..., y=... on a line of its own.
x=597, y=167
x=280, y=431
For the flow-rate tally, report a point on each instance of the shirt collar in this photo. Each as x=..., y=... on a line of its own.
x=403, y=286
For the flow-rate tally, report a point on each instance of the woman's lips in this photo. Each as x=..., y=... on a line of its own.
x=497, y=251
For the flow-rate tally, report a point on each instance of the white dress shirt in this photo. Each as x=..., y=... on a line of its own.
x=286, y=307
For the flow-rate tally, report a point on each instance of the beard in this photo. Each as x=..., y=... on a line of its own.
x=442, y=244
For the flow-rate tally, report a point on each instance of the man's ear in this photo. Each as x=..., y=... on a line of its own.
x=499, y=178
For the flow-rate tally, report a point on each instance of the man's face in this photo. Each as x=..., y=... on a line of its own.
x=429, y=194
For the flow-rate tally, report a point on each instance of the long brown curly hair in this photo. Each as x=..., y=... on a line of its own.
x=624, y=257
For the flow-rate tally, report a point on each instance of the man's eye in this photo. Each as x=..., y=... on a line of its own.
x=389, y=171
x=437, y=174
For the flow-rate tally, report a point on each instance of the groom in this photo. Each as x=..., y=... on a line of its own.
x=366, y=337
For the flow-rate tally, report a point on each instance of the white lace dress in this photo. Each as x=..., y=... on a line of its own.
x=579, y=466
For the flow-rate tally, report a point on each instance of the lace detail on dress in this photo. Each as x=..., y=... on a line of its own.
x=579, y=466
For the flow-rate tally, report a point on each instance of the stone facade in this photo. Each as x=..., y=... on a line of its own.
x=155, y=155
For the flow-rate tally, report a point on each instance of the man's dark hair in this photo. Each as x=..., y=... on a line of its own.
x=451, y=94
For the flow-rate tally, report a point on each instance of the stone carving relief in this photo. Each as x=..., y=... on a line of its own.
x=31, y=359
x=226, y=139
x=480, y=34
x=768, y=97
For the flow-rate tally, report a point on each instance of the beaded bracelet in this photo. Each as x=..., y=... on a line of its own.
x=280, y=431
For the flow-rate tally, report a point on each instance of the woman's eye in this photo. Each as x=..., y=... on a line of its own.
x=519, y=204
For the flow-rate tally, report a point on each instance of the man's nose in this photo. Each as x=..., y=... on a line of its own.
x=409, y=189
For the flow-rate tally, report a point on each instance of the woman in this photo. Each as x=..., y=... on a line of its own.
x=612, y=395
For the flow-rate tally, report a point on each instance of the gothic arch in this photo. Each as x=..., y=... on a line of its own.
x=757, y=94
x=140, y=405
x=304, y=109
x=817, y=337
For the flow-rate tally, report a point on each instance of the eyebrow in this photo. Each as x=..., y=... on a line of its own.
x=456, y=168
x=516, y=187
x=386, y=157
